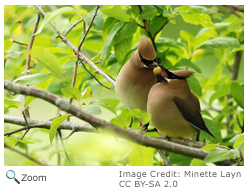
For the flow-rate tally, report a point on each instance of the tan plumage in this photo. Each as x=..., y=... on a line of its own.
x=175, y=110
x=136, y=78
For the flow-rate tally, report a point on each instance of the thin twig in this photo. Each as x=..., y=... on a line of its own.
x=164, y=157
x=241, y=126
x=25, y=155
x=85, y=34
x=27, y=68
x=64, y=148
x=232, y=9
x=74, y=76
x=72, y=26
x=27, y=130
x=71, y=133
x=237, y=8
x=161, y=28
x=20, y=43
x=93, y=75
x=31, y=44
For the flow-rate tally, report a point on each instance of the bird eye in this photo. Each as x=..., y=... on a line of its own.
x=147, y=62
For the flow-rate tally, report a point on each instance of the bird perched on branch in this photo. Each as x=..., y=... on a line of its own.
x=136, y=77
x=175, y=110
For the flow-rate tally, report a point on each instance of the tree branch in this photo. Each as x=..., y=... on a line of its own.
x=33, y=123
x=99, y=123
x=234, y=8
x=26, y=113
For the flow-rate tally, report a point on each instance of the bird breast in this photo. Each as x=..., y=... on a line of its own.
x=133, y=85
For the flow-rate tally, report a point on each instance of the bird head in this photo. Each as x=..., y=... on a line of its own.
x=165, y=73
x=146, y=53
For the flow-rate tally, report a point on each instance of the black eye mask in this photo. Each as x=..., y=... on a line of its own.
x=147, y=62
x=170, y=74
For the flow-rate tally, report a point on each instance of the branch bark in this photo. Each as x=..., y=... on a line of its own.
x=99, y=123
x=33, y=123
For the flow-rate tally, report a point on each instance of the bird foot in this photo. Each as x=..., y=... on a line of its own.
x=151, y=130
x=167, y=138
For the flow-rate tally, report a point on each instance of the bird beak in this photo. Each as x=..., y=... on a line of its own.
x=152, y=65
x=163, y=72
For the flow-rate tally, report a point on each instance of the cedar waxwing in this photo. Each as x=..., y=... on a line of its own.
x=175, y=110
x=136, y=77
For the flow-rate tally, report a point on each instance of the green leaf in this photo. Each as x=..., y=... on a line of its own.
x=187, y=63
x=108, y=42
x=237, y=93
x=52, y=15
x=98, y=21
x=220, y=42
x=55, y=124
x=122, y=48
x=125, y=32
x=221, y=93
x=195, y=17
x=148, y=12
x=195, y=86
x=216, y=156
x=209, y=147
x=214, y=129
x=116, y=11
x=156, y=24
x=141, y=156
x=33, y=78
x=143, y=116
x=87, y=93
x=186, y=36
x=12, y=103
x=7, y=44
x=14, y=26
x=239, y=142
x=29, y=99
x=168, y=42
x=167, y=13
x=197, y=162
x=103, y=104
x=71, y=92
x=236, y=23
x=123, y=119
x=20, y=8
x=48, y=61
x=93, y=110
x=207, y=32
x=112, y=59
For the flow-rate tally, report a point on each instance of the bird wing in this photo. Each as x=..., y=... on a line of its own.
x=192, y=114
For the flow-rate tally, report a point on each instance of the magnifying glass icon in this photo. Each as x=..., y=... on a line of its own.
x=11, y=175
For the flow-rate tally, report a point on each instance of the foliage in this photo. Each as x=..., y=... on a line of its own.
x=210, y=42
